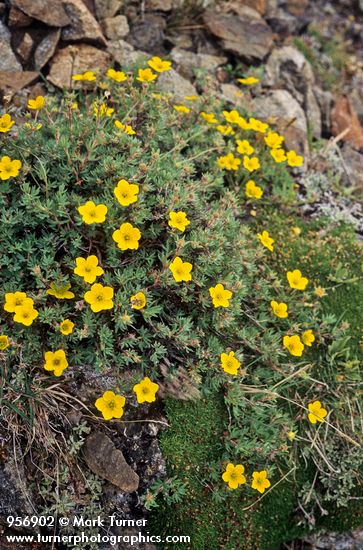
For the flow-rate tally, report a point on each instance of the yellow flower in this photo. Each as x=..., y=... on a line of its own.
x=37, y=104
x=159, y=65
x=102, y=110
x=88, y=268
x=126, y=128
x=243, y=124
x=178, y=220
x=248, y=81
x=87, y=76
x=232, y=116
x=117, y=76
x=294, y=345
x=209, y=117
x=4, y=342
x=317, y=412
x=233, y=475
x=181, y=109
x=126, y=193
x=229, y=162
x=111, y=405
x=74, y=106
x=251, y=163
x=229, y=363
x=278, y=155
x=61, y=292
x=55, y=361
x=220, y=296
x=6, y=123
x=66, y=327
x=253, y=191
x=9, y=168
x=127, y=237
x=294, y=159
x=296, y=231
x=266, y=240
x=92, y=213
x=279, y=309
x=181, y=270
x=146, y=391
x=138, y=301
x=191, y=97
x=274, y=140
x=291, y=435
x=320, y=292
x=260, y=481
x=308, y=337
x=225, y=129
x=25, y=314
x=244, y=147
x=99, y=297
x=257, y=125
x=16, y=299
x=296, y=280
x=146, y=75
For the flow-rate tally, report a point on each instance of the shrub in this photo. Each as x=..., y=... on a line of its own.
x=230, y=338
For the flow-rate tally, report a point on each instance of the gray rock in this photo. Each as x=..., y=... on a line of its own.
x=148, y=34
x=25, y=47
x=232, y=94
x=15, y=499
x=124, y=53
x=187, y=61
x=115, y=28
x=249, y=38
x=291, y=120
x=325, y=100
x=46, y=48
x=8, y=60
x=82, y=23
x=173, y=83
x=107, y=8
x=52, y=13
x=287, y=67
x=313, y=113
x=106, y=461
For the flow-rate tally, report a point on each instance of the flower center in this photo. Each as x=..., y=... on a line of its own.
x=99, y=298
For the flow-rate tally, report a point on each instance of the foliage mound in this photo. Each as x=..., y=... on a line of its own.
x=179, y=156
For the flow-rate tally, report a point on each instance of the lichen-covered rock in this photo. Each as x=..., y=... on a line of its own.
x=116, y=28
x=46, y=48
x=187, y=61
x=83, y=26
x=51, y=13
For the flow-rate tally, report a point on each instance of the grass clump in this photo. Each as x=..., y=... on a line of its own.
x=126, y=247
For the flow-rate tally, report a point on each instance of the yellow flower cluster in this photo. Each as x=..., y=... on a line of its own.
x=234, y=477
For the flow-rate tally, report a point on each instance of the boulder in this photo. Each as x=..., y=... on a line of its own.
x=83, y=26
x=46, y=48
x=8, y=60
x=290, y=117
x=187, y=61
x=76, y=59
x=124, y=53
x=51, y=13
x=115, y=28
x=249, y=37
x=107, y=8
x=173, y=83
x=109, y=463
x=18, y=19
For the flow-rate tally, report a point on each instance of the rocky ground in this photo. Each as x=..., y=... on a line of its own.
x=309, y=58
